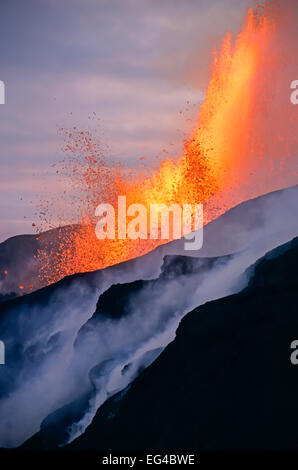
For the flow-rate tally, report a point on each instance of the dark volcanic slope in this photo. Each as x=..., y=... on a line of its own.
x=18, y=258
x=226, y=381
x=115, y=304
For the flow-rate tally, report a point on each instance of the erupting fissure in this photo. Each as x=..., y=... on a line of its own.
x=240, y=135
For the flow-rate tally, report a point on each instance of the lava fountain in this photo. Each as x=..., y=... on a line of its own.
x=243, y=145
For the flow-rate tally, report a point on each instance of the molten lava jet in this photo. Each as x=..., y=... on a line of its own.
x=242, y=146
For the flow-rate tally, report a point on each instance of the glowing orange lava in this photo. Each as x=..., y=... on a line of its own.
x=231, y=155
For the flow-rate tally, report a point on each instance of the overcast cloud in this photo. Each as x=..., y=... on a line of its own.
x=135, y=63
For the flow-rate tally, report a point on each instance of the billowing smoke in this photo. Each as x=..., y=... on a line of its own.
x=159, y=306
x=62, y=344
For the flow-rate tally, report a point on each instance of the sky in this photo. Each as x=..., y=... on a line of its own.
x=134, y=63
